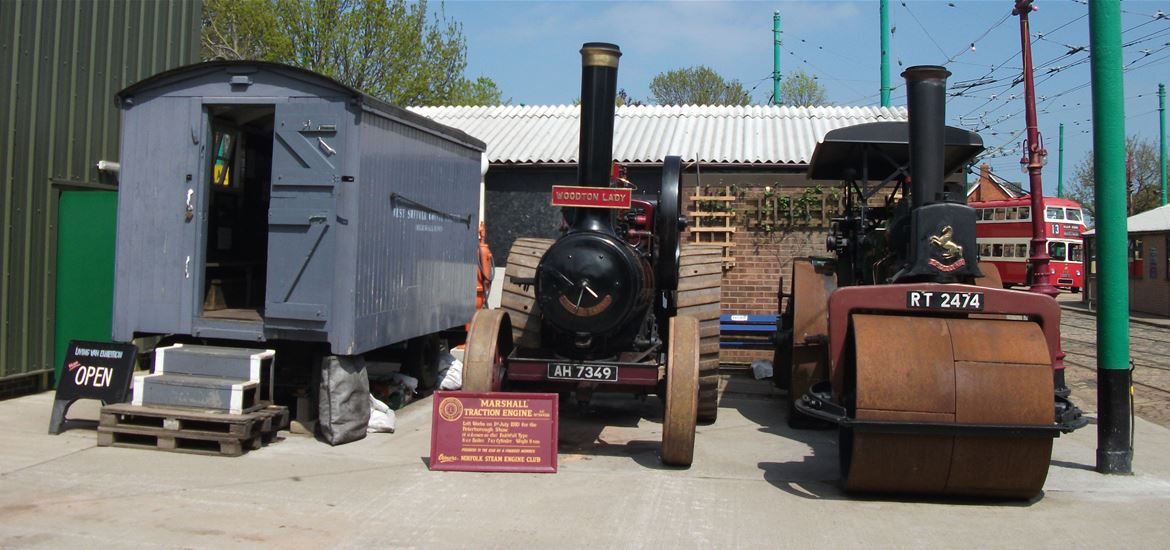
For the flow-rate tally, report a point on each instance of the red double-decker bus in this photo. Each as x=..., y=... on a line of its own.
x=1004, y=232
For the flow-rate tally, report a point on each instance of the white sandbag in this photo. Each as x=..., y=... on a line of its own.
x=453, y=380
x=382, y=419
x=761, y=369
x=410, y=382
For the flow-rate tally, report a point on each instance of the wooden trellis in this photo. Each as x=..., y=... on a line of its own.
x=712, y=221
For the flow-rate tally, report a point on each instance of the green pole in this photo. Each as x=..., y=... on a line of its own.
x=1162, y=133
x=1060, y=165
x=776, y=57
x=885, y=9
x=1114, y=383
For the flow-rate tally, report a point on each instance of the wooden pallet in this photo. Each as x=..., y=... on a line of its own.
x=193, y=431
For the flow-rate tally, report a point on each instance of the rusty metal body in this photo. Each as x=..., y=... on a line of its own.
x=939, y=382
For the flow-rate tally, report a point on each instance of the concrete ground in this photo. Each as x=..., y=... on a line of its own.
x=754, y=484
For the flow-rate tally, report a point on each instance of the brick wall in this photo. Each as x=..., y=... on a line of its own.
x=761, y=256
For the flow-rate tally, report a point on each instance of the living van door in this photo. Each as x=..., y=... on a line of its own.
x=306, y=165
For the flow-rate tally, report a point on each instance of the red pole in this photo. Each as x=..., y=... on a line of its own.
x=1040, y=257
x=1036, y=154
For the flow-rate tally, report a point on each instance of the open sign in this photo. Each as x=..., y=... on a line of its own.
x=93, y=370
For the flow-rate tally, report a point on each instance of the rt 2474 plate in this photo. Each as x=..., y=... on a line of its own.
x=945, y=301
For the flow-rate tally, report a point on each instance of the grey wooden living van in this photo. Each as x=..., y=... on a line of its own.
x=262, y=202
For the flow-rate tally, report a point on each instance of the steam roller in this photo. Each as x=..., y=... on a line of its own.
x=938, y=380
x=616, y=303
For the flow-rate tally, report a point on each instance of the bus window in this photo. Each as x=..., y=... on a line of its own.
x=1056, y=251
x=1012, y=214
x=1009, y=251
x=1073, y=214
x=1075, y=253
x=1021, y=251
x=1000, y=213
x=1025, y=212
x=984, y=250
x=1054, y=213
x=984, y=214
x=997, y=250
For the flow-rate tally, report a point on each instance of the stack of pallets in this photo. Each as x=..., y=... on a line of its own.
x=188, y=430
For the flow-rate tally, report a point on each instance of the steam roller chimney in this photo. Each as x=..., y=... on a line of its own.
x=926, y=87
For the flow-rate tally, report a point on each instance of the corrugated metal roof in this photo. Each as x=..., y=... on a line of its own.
x=757, y=134
x=1157, y=219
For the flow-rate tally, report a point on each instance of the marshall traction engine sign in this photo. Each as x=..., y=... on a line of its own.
x=494, y=432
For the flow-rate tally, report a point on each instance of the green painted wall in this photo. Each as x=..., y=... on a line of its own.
x=62, y=61
x=86, y=231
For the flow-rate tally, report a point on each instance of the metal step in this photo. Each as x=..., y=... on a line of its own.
x=216, y=362
x=204, y=392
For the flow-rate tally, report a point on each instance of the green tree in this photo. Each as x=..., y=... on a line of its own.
x=241, y=29
x=1145, y=190
x=386, y=48
x=697, y=86
x=801, y=90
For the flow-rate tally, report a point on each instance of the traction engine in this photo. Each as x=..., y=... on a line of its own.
x=938, y=380
x=616, y=303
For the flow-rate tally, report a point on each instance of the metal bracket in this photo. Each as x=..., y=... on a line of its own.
x=817, y=403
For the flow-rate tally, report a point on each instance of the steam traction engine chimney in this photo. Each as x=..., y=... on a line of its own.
x=599, y=64
x=942, y=233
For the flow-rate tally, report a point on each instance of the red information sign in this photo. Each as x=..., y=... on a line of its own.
x=591, y=197
x=494, y=432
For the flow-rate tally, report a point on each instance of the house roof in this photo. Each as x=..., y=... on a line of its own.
x=648, y=133
x=1150, y=221
x=1010, y=189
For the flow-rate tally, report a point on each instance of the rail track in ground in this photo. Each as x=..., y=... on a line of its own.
x=1149, y=349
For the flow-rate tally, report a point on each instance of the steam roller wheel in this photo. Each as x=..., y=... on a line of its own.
x=947, y=370
x=518, y=301
x=699, y=290
x=489, y=341
x=682, y=380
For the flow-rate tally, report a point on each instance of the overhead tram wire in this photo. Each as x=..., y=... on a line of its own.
x=923, y=27
x=1135, y=64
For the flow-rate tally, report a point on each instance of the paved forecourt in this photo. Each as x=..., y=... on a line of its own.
x=755, y=484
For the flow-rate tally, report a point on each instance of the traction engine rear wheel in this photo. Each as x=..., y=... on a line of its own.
x=699, y=295
x=682, y=381
x=518, y=301
x=969, y=371
x=489, y=341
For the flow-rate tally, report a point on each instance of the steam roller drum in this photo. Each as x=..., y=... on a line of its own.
x=519, y=301
x=699, y=290
x=948, y=370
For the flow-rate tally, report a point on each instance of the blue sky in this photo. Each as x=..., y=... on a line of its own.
x=530, y=49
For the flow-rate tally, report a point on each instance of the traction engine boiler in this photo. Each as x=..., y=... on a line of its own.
x=939, y=381
x=616, y=303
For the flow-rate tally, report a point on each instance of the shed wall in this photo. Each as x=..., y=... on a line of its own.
x=63, y=60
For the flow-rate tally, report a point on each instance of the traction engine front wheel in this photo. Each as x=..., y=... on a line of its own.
x=489, y=341
x=682, y=390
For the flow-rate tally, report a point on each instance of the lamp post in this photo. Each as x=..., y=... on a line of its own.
x=1035, y=155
